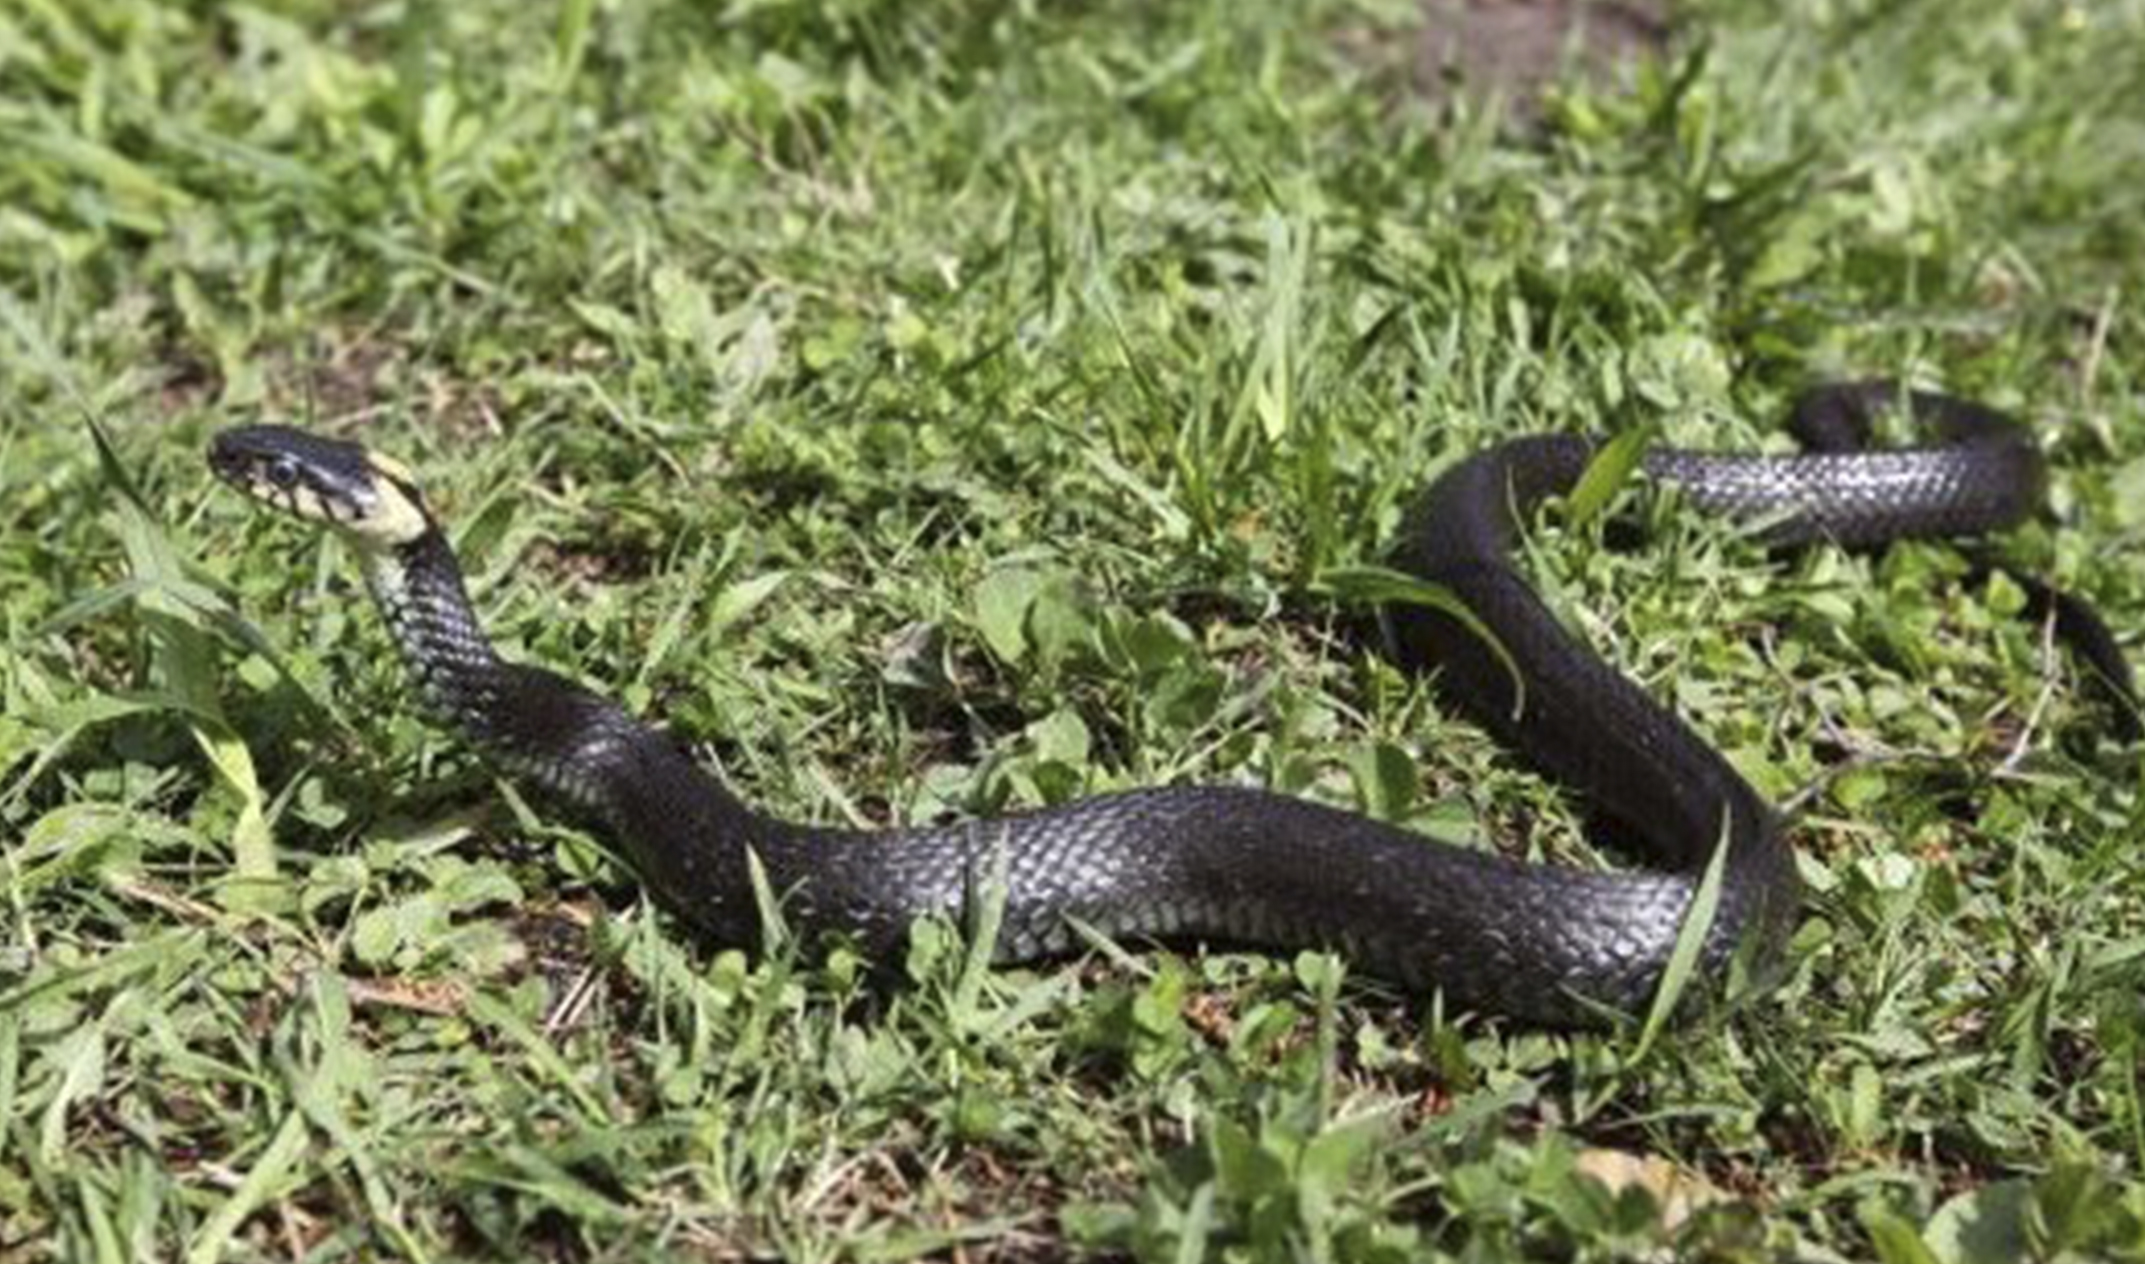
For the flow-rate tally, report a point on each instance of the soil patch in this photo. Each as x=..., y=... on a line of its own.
x=1515, y=48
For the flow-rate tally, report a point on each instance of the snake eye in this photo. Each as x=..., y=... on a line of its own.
x=283, y=472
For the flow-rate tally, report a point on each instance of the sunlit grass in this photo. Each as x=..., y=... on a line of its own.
x=935, y=409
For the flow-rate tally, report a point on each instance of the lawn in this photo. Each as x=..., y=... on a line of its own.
x=931, y=409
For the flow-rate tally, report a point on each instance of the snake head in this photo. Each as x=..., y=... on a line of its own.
x=317, y=479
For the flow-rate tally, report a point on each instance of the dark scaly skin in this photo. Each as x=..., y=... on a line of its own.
x=1543, y=944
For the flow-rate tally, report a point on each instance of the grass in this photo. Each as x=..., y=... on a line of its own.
x=939, y=408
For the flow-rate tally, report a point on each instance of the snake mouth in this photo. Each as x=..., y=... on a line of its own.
x=232, y=463
x=249, y=461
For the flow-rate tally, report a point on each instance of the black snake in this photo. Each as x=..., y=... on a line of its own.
x=1541, y=943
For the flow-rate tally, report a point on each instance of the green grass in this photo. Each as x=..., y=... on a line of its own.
x=938, y=408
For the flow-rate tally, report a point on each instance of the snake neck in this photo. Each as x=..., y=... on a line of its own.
x=676, y=825
x=418, y=589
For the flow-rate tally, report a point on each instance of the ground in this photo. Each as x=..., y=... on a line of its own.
x=1508, y=53
x=928, y=409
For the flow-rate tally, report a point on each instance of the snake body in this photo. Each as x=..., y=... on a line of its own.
x=1545, y=944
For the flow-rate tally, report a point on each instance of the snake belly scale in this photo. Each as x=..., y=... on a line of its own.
x=1543, y=944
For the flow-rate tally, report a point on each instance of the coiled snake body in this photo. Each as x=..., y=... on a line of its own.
x=1544, y=944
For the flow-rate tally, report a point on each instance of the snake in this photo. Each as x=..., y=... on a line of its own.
x=1713, y=880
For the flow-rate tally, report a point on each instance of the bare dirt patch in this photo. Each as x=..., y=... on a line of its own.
x=1514, y=49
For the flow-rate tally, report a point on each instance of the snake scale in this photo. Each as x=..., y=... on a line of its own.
x=1543, y=944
